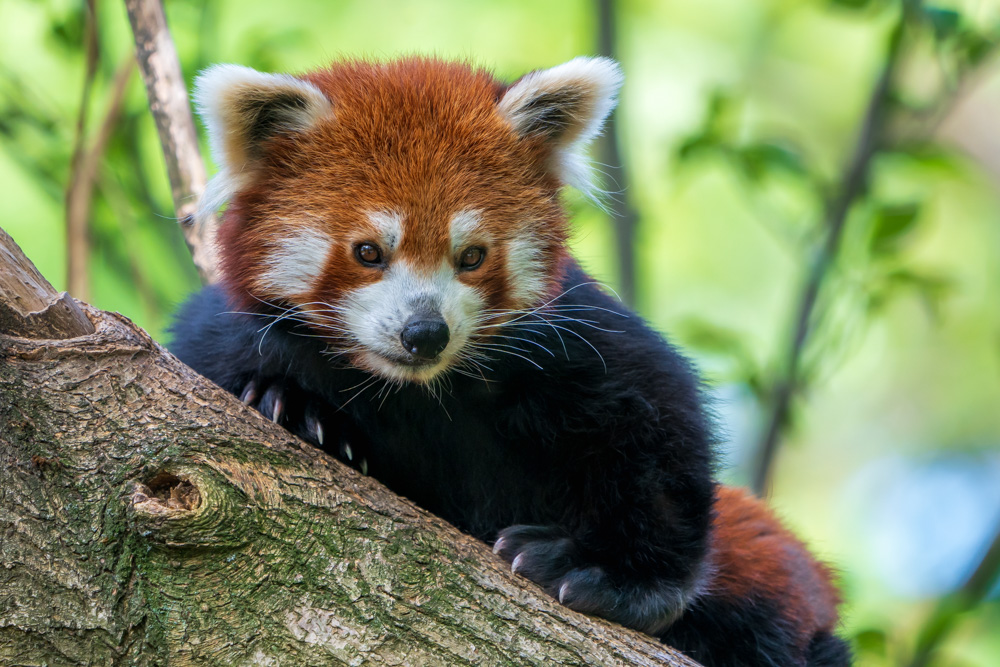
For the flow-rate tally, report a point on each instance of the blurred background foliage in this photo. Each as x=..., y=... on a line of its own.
x=737, y=129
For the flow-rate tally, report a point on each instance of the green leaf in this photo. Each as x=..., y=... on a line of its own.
x=945, y=22
x=717, y=340
x=930, y=289
x=975, y=47
x=776, y=155
x=871, y=641
x=852, y=4
x=697, y=146
x=865, y=8
x=934, y=285
x=891, y=224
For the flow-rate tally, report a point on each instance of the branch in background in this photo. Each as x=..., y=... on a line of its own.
x=624, y=217
x=168, y=100
x=80, y=194
x=79, y=190
x=852, y=188
x=946, y=613
x=122, y=76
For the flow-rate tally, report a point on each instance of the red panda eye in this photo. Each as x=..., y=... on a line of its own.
x=472, y=258
x=368, y=254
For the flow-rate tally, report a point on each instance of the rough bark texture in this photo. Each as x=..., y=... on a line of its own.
x=147, y=517
x=28, y=304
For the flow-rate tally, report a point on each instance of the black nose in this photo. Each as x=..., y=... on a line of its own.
x=425, y=336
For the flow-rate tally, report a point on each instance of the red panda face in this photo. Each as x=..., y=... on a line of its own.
x=399, y=210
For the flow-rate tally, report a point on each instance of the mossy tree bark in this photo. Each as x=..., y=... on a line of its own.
x=147, y=517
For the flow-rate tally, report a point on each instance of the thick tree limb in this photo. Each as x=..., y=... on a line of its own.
x=29, y=306
x=147, y=517
x=168, y=101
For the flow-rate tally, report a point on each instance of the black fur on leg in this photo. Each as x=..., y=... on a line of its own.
x=827, y=650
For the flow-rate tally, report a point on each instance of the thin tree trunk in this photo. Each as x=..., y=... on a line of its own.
x=168, y=102
x=79, y=190
x=147, y=517
x=624, y=217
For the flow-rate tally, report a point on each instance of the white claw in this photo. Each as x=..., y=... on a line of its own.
x=562, y=592
x=498, y=546
x=364, y=466
x=348, y=452
x=319, y=433
x=249, y=394
x=279, y=407
x=517, y=563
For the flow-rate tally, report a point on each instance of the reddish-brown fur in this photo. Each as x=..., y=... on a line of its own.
x=755, y=557
x=418, y=136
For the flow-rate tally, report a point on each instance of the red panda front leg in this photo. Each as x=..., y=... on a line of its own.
x=633, y=552
x=551, y=558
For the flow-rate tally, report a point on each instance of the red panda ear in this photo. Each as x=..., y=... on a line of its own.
x=242, y=109
x=567, y=106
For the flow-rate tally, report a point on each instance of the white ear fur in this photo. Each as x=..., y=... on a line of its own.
x=566, y=104
x=242, y=108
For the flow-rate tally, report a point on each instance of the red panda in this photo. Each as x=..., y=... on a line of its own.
x=397, y=289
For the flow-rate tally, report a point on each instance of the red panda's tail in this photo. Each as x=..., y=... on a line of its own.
x=764, y=600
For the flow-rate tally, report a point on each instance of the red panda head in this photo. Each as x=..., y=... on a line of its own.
x=399, y=209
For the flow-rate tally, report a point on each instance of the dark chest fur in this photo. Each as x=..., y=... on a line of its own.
x=580, y=445
x=574, y=390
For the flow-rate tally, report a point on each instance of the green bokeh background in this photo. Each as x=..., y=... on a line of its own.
x=894, y=449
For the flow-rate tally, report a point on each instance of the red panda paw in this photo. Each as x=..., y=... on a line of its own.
x=551, y=558
x=543, y=554
x=267, y=399
x=314, y=421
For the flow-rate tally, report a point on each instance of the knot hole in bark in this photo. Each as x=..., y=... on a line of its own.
x=189, y=506
x=166, y=493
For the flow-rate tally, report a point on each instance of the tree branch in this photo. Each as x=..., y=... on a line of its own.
x=29, y=306
x=853, y=185
x=949, y=608
x=168, y=101
x=79, y=189
x=83, y=179
x=624, y=217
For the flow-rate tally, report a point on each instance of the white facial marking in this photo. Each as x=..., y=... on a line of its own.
x=390, y=228
x=375, y=316
x=526, y=270
x=464, y=227
x=296, y=262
